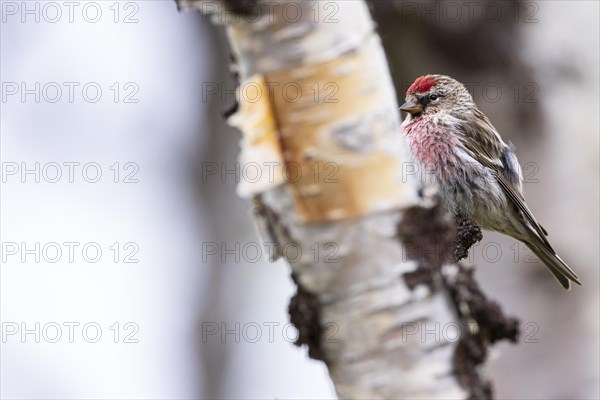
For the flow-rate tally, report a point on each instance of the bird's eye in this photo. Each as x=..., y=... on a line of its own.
x=433, y=97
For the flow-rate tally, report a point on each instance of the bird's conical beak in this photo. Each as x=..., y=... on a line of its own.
x=412, y=108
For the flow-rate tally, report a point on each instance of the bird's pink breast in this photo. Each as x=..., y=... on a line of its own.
x=431, y=144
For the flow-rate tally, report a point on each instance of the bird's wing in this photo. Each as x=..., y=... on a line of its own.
x=485, y=145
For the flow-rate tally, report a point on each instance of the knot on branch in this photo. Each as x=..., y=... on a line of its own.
x=305, y=316
x=243, y=8
x=467, y=234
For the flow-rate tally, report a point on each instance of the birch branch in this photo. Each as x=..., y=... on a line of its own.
x=391, y=272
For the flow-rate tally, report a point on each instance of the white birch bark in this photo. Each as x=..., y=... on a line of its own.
x=361, y=293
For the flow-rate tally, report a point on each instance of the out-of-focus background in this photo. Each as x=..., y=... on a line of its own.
x=130, y=268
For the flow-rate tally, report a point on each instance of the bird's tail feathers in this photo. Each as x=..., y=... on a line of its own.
x=558, y=267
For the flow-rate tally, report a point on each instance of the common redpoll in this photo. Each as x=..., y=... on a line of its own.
x=476, y=172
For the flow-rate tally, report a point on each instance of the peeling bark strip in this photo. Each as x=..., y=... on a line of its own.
x=355, y=270
x=260, y=143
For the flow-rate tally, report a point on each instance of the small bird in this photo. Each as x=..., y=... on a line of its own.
x=476, y=172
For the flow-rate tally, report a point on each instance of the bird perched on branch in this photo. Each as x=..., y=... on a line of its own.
x=478, y=176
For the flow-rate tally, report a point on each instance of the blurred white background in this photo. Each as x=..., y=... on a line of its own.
x=163, y=208
x=166, y=55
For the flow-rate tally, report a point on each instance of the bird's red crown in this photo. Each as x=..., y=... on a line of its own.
x=421, y=85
